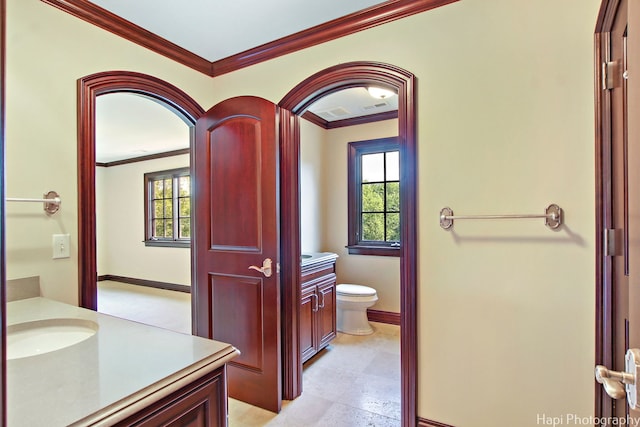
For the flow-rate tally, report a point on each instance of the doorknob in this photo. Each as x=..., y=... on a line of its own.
x=617, y=384
x=265, y=269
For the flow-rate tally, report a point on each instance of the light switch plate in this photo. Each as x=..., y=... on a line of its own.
x=61, y=246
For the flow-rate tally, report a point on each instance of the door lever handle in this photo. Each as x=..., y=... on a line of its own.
x=617, y=384
x=265, y=269
x=613, y=381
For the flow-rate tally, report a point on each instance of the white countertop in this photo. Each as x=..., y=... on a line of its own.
x=124, y=365
x=309, y=258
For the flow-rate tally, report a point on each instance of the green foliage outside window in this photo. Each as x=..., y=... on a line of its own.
x=375, y=218
x=169, y=205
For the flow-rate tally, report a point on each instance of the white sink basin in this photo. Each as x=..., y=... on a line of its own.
x=43, y=336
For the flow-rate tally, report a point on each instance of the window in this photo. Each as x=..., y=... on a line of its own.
x=374, y=197
x=168, y=208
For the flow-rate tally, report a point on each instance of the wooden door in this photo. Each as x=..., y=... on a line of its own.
x=619, y=192
x=632, y=87
x=620, y=125
x=236, y=226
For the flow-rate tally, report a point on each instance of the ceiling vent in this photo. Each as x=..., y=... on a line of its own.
x=334, y=113
x=375, y=106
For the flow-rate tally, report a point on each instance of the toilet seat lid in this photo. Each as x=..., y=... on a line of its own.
x=348, y=289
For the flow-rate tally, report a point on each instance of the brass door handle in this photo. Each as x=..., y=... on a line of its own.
x=613, y=381
x=265, y=269
x=617, y=384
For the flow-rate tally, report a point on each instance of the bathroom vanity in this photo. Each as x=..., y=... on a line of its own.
x=108, y=371
x=318, y=302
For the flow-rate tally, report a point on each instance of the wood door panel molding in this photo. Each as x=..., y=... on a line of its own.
x=236, y=194
x=358, y=21
x=89, y=88
x=239, y=323
x=606, y=15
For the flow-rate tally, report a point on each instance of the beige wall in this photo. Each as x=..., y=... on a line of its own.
x=505, y=124
x=120, y=226
x=47, y=51
x=312, y=184
x=324, y=211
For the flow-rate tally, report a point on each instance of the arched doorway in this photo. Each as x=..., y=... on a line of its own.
x=293, y=105
x=89, y=88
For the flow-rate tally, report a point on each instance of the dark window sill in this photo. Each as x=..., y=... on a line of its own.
x=168, y=243
x=374, y=250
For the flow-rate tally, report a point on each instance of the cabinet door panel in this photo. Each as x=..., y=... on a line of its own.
x=327, y=312
x=308, y=303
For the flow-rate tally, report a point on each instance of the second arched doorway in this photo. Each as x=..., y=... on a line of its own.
x=293, y=105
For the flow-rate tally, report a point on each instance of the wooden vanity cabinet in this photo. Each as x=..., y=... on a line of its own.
x=317, y=307
x=202, y=403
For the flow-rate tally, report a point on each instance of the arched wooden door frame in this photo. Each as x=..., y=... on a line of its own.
x=89, y=88
x=293, y=105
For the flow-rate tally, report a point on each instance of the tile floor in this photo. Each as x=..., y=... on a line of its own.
x=354, y=382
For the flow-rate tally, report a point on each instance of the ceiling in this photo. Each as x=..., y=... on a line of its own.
x=129, y=125
x=216, y=37
x=215, y=29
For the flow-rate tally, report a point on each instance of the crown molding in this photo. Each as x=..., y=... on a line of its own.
x=360, y=120
x=144, y=158
x=349, y=24
x=113, y=23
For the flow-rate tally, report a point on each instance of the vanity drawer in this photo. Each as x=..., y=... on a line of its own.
x=310, y=273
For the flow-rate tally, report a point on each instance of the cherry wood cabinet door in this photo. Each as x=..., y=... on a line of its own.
x=236, y=226
x=308, y=307
x=327, y=312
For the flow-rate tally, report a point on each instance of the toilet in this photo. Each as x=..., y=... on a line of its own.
x=352, y=302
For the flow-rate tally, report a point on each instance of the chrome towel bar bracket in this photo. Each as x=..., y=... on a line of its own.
x=553, y=216
x=51, y=201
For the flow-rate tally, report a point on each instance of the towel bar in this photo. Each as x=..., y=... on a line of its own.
x=552, y=217
x=51, y=201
